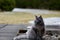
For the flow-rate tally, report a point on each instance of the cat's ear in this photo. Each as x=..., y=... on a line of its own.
x=36, y=17
x=40, y=16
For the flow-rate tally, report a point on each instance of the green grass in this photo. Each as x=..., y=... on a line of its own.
x=21, y=17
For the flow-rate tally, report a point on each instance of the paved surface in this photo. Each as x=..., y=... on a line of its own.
x=8, y=31
x=3, y=25
x=34, y=11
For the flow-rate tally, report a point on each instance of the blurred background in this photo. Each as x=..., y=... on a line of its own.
x=8, y=5
x=22, y=11
x=17, y=15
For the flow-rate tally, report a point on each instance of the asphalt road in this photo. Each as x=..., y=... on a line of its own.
x=8, y=31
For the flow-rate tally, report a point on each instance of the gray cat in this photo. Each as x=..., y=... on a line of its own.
x=35, y=33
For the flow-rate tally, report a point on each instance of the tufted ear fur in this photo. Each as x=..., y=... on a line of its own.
x=36, y=17
x=40, y=17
